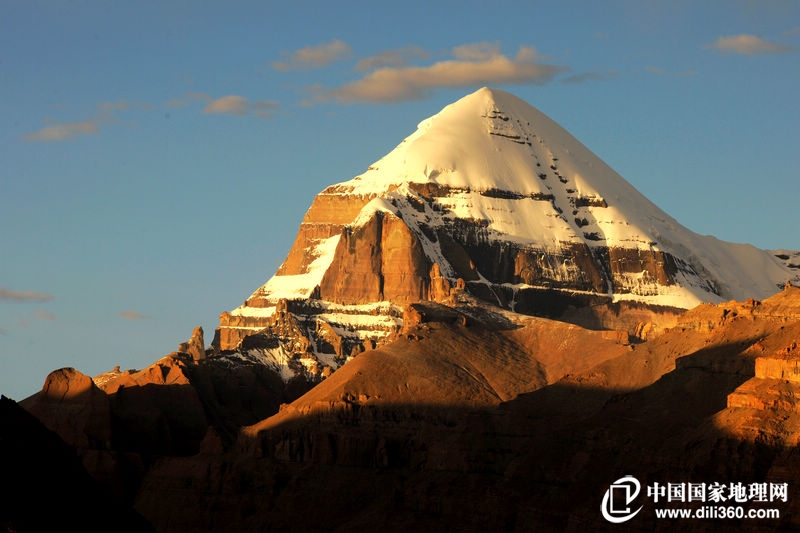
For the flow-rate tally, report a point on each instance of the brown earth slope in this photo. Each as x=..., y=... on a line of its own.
x=473, y=419
x=386, y=445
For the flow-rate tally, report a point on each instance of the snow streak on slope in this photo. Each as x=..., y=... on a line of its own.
x=301, y=285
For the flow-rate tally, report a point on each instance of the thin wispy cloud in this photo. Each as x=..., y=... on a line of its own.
x=227, y=105
x=590, y=76
x=120, y=105
x=264, y=108
x=123, y=105
x=239, y=105
x=205, y=97
x=749, y=45
x=63, y=131
x=41, y=314
x=664, y=72
x=656, y=70
x=106, y=113
x=24, y=296
x=392, y=58
x=130, y=314
x=176, y=103
x=473, y=65
x=312, y=57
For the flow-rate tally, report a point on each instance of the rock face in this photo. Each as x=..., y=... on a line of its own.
x=380, y=260
x=493, y=196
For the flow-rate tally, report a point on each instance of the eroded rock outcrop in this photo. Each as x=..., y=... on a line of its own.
x=74, y=407
x=119, y=422
x=195, y=346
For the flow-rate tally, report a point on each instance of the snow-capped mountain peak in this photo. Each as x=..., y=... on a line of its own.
x=494, y=198
x=494, y=144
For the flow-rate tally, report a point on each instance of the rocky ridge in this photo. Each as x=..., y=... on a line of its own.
x=530, y=430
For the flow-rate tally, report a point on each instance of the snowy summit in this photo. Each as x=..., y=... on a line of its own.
x=492, y=199
x=527, y=182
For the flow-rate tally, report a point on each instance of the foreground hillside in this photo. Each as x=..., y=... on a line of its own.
x=473, y=419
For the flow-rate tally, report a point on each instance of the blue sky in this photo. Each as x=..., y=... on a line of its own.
x=156, y=158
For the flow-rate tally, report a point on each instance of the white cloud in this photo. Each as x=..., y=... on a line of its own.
x=474, y=65
x=750, y=45
x=312, y=57
x=63, y=131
